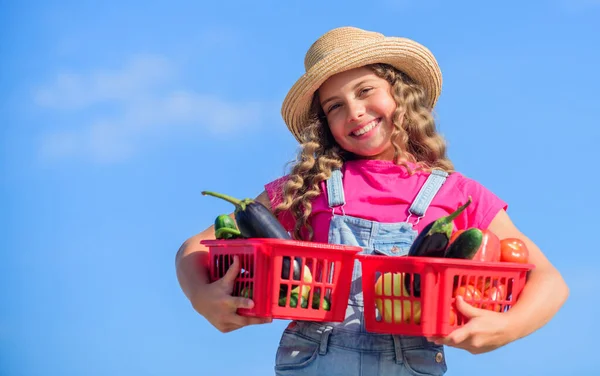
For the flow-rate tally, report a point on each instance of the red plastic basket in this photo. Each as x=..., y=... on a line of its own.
x=391, y=305
x=314, y=284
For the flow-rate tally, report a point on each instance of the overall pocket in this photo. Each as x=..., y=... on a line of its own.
x=398, y=247
x=295, y=352
x=394, y=239
x=427, y=360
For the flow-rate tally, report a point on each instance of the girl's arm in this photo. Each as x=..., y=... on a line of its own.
x=545, y=291
x=543, y=295
x=212, y=300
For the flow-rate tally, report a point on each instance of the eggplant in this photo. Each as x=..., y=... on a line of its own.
x=432, y=242
x=253, y=219
x=285, y=268
x=434, y=239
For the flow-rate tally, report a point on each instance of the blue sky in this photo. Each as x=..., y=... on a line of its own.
x=116, y=116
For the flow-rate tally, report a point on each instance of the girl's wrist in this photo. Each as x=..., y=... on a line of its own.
x=513, y=327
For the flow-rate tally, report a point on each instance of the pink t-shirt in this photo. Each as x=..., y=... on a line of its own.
x=383, y=191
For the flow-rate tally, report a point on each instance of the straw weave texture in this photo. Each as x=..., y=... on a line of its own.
x=346, y=48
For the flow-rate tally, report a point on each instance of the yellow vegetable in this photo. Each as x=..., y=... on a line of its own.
x=393, y=286
x=306, y=288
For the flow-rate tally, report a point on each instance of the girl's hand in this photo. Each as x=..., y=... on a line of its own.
x=485, y=331
x=215, y=303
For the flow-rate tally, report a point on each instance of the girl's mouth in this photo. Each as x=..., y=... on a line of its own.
x=366, y=129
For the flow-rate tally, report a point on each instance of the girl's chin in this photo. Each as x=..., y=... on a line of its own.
x=375, y=155
x=373, y=151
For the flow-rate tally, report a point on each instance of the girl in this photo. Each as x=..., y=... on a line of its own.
x=372, y=171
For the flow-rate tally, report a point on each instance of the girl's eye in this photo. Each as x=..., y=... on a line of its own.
x=332, y=107
x=365, y=90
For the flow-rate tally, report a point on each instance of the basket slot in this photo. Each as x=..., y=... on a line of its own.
x=317, y=268
x=222, y=264
x=312, y=291
x=247, y=266
x=331, y=272
x=318, y=300
x=509, y=289
x=244, y=288
x=244, y=282
x=413, y=288
x=292, y=268
x=393, y=302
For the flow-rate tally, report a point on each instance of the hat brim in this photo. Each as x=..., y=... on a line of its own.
x=408, y=56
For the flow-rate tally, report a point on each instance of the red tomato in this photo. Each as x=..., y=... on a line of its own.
x=495, y=294
x=513, y=250
x=484, y=283
x=470, y=293
x=480, y=283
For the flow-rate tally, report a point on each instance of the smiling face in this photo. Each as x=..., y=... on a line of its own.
x=359, y=108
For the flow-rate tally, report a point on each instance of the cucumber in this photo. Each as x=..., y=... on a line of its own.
x=466, y=245
x=326, y=304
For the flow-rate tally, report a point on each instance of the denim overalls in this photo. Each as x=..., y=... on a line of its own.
x=336, y=349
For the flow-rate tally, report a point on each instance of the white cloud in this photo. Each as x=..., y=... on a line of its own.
x=122, y=109
x=74, y=91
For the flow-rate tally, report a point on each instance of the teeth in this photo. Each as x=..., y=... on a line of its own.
x=365, y=129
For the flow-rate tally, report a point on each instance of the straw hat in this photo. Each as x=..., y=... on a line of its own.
x=346, y=48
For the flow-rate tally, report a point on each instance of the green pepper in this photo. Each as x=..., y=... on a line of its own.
x=293, y=301
x=225, y=228
x=326, y=305
x=304, y=303
x=227, y=233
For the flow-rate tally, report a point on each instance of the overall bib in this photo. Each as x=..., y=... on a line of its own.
x=346, y=349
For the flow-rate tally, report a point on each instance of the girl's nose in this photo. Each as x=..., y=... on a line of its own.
x=356, y=110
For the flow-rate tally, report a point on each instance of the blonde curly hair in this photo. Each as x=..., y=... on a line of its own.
x=414, y=139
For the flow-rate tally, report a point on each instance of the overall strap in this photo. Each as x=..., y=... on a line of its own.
x=428, y=191
x=335, y=189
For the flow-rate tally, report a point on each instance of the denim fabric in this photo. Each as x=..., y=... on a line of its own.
x=311, y=349
x=335, y=349
x=392, y=239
